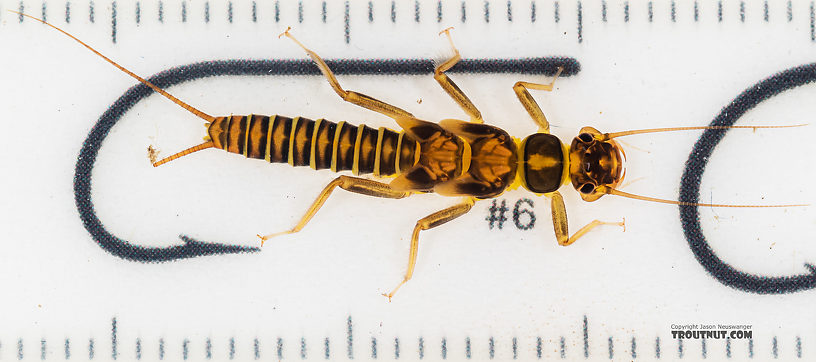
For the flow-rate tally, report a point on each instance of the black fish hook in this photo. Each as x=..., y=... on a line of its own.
x=693, y=174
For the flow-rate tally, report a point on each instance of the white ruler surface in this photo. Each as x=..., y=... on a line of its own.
x=492, y=284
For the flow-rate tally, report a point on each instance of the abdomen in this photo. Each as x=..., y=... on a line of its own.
x=320, y=144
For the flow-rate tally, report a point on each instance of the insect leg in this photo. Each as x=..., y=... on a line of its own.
x=428, y=222
x=531, y=105
x=559, y=215
x=359, y=99
x=353, y=184
x=451, y=88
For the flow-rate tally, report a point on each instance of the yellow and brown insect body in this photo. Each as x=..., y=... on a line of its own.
x=319, y=144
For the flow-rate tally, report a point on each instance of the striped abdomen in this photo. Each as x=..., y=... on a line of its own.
x=319, y=144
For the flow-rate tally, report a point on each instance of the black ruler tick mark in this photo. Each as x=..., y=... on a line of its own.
x=703, y=349
x=113, y=22
x=611, y=348
x=346, y=21
x=657, y=348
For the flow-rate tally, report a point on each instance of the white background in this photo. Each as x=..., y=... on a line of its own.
x=470, y=281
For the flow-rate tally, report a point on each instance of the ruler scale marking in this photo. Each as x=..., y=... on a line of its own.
x=657, y=348
x=586, y=337
x=751, y=348
x=350, y=338
x=611, y=348
x=719, y=11
x=673, y=11
x=138, y=348
x=114, y=355
x=625, y=11
x=766, y=15
x=798, y=347
x=563, y=348
x=790, y=10
x=161, y=348
x=812, y=22
x=346, y=21
x=113, y=22
x=229, y=11
x=703, y=350
x=696, y=11
x=580, y=23
x=680, y=348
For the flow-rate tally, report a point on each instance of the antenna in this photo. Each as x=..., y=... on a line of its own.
x=169, y=96
x=612, y=191
x=608, y=136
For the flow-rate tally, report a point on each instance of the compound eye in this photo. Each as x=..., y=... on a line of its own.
x=585, y=137
x=587, y=188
